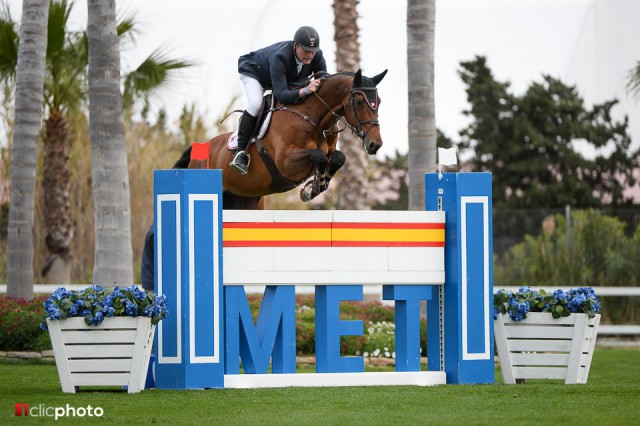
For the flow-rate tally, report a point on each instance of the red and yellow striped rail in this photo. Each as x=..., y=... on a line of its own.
x=332, y=234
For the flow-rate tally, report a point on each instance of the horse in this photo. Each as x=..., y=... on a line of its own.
x=300, y=142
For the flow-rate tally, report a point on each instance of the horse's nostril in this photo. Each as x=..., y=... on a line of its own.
x=373, y=148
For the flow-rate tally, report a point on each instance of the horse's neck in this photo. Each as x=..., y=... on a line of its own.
x=331, y=98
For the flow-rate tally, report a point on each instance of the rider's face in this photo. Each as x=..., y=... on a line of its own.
x=304, y=56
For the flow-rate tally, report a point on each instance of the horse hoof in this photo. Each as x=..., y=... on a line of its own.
x=306, y=193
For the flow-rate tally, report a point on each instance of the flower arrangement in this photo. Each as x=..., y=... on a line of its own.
x=96, y=303
x=559, y=303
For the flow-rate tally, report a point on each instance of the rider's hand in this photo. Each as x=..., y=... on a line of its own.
x=313, y=86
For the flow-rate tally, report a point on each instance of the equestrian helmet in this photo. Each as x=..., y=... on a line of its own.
x=307, y=38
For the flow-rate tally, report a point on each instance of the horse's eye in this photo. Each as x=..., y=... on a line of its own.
x=359, y=102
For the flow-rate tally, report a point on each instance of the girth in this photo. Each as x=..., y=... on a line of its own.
x=278, y=182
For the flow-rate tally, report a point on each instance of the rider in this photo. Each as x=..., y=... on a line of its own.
x=284, y=64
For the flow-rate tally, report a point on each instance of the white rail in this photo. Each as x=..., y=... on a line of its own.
x=604, y=329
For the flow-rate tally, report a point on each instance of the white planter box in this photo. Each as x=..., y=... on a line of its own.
x=115, y=353
x=541, y=347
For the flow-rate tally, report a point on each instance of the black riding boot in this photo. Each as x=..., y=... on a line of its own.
x=241, y=160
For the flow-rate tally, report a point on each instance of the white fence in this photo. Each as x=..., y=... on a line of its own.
x=603, y=329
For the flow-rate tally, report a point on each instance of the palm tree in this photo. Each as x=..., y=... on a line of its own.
x=421, y=18
x=29, y=74
x=113, y=253
x=353, y=194
x=65, y=93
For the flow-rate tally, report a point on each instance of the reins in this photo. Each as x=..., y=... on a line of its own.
x=333, y=128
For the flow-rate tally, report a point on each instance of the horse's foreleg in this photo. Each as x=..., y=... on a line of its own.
x=325, y=173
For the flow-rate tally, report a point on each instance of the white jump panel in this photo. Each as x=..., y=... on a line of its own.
x=333, y=247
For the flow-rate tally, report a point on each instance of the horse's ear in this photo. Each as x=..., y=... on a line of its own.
x=378, y=78
x=357, y=79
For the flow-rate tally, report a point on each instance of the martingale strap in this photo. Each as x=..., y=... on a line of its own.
x=278, y=182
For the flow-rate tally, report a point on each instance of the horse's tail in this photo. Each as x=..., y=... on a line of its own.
x=184, y=160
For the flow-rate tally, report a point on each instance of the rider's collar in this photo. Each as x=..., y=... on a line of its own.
x=299, y=63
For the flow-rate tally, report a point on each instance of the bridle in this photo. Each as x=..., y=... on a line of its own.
x=370, y=94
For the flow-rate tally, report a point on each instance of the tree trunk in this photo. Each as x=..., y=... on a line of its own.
x=24, y=154
x=421, y=21
x=113, y=253
x=57, y=216
x=353, y=193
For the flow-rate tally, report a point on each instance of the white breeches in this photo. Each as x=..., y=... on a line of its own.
x=254, y=91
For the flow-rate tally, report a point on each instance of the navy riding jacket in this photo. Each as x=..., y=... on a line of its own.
x=275, y=68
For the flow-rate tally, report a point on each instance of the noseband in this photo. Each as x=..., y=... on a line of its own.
x=370, y=94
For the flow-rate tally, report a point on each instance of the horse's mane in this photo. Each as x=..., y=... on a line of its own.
x=339, y=74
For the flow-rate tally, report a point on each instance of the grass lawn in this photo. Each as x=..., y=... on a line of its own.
x=612, y=396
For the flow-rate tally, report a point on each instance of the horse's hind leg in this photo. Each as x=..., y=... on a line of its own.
x=321, y=180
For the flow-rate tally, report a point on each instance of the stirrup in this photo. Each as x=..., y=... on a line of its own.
x=241, y=162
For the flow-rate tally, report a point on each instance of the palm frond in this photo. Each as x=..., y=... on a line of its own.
x=633, y=81
x=57, y=30
x=9, y=42
x=126, y=27
x=153, y=75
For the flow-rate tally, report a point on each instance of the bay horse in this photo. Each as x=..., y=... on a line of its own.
x=299, y=143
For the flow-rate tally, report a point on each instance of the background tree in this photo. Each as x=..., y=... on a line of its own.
x=633, y=81
x=65, y=93
x=109, y=171
x=527, y=142
x=421, y=22
x=29, y=77
x=353, y=193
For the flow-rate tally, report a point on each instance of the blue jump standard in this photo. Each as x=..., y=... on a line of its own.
x=210, y=327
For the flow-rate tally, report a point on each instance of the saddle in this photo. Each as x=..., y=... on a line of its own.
x=200, y=151
x=262, y=123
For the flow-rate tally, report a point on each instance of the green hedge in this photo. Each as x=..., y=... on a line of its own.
x=378, y=339
x=20, y=326
x=595, y=250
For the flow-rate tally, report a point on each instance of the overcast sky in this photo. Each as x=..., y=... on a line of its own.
x=522, y=40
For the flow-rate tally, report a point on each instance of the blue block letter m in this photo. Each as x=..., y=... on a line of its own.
x=274, y=335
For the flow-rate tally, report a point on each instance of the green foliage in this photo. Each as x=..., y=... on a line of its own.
x=633, y=81
x=527, y=142
x=8, y=45
x=20, y=325
x=380, y=339
x=377, y=319
x=595, y=252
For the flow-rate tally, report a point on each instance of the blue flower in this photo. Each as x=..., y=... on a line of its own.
x=559, y=295
x=131, y=308
x=96, y=319
x=95, y=303
x=148, y=311
x=559, y=303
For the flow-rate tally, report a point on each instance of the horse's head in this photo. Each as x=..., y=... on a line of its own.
x=362, y=110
